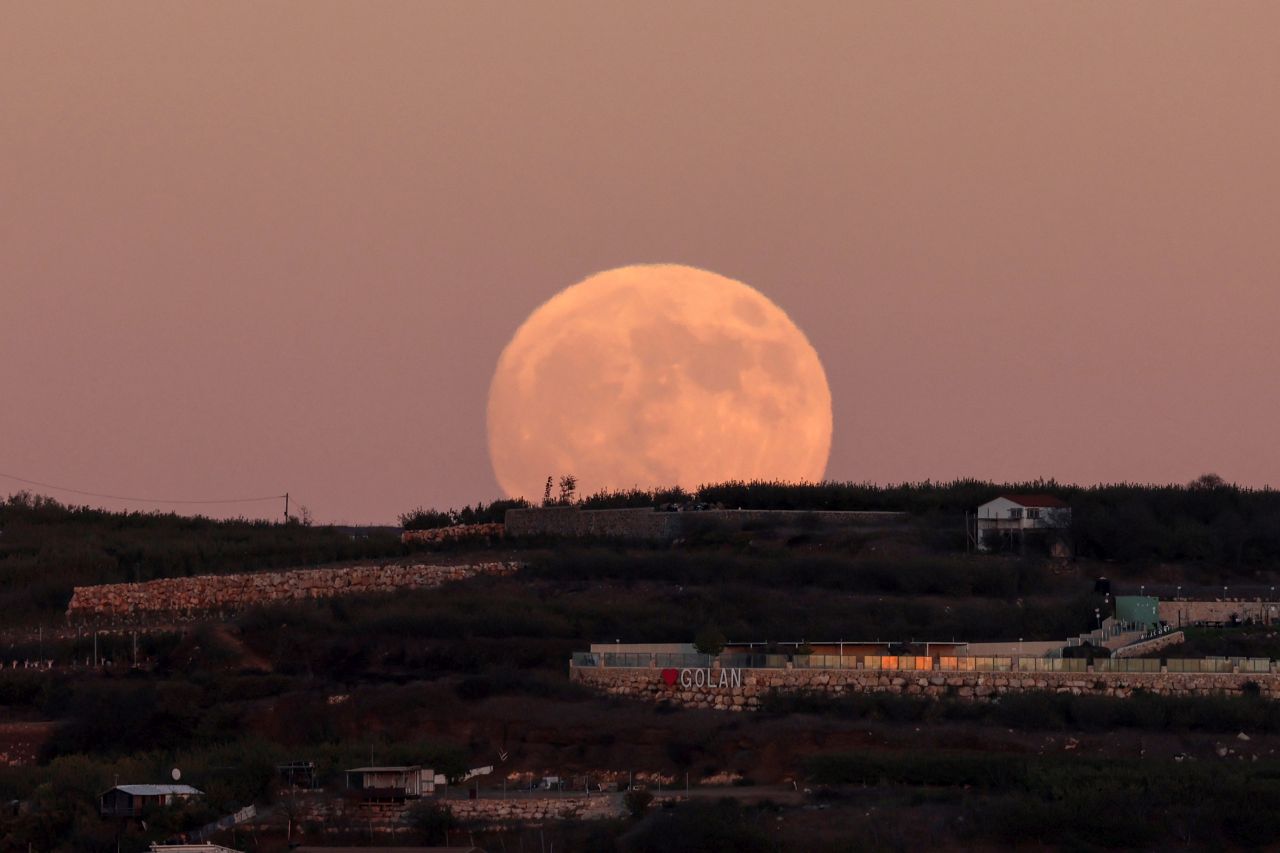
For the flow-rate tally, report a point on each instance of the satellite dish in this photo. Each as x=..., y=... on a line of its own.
x=176, y=774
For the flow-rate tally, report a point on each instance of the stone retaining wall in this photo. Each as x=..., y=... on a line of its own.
x=488, y=813
x=176, y=598
x=453, y=533
x=330, y=814
x=1180, y=612
x=651, y=684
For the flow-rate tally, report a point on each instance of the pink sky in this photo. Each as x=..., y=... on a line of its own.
x=248, y=248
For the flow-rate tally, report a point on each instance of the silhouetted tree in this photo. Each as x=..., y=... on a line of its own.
x=568, y=485
x=710, y=641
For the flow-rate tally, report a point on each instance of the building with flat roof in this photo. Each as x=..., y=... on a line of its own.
x=391, y=783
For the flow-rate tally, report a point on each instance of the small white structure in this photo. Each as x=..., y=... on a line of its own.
x=391, y=783
x=1013, y=515
x=132, y=800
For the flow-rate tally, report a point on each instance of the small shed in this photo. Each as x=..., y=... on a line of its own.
x=391, y=783
x=132, y=800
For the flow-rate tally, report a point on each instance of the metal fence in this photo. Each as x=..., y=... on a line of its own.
x=913, y=663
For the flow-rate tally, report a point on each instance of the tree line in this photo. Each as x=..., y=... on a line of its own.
x=1207, y=520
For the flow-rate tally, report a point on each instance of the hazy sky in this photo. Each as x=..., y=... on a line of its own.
x=248, y=248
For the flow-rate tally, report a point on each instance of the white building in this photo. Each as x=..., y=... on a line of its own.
x=1011, y=516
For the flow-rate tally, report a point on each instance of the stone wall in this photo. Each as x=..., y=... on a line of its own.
x=1179, y=612
x=640, y=524
x=176, y=598
x=652, y=525
x=453, y=533
x=650, y=684
x=490, y=812
x=326, y=813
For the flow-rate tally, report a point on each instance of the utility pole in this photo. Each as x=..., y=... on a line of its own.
x=286, y=507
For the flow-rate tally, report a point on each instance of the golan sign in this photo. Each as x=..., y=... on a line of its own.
x=707, y=678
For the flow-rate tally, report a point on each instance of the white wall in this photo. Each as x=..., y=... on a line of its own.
x=998, y=510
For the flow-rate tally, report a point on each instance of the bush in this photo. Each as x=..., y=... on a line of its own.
x=637, y=802
x=710, y=641
x=722, y=827
x=432, y=822
x=482, y=513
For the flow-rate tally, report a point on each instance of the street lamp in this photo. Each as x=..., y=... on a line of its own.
x=1179, y=592
x=1097, y=614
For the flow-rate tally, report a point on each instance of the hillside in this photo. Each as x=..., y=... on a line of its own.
x=474, y=673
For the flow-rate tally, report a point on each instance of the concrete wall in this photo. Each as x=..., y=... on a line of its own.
x=1155, y=644
x=650, y=685
x=644, y=524
x=176, y=598
x=651, y=525
x=637, y=649
x=1179, y=613
x=1033, y=648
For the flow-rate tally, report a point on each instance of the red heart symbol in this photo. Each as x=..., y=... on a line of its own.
x=669, y=676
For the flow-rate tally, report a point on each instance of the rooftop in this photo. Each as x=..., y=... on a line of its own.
x=1036, y=500
x=157, y=790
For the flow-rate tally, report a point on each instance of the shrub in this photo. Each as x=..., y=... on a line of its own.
x=710, y=641
x=637, y=802
x=432, y=822
x=722, y=827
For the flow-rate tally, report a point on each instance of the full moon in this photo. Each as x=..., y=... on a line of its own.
x=653, y=376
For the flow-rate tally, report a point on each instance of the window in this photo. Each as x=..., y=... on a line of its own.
x=1015, y=513
x=1033, y=513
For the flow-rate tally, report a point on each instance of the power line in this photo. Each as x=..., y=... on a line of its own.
x=137, y=500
